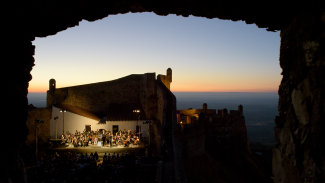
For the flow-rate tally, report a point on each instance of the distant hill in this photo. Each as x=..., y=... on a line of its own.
x=37, y=99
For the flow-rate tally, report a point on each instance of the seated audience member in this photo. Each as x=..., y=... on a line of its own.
x=96, y=156
x=86, y=156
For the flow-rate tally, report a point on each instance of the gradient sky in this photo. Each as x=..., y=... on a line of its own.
x=206, y=55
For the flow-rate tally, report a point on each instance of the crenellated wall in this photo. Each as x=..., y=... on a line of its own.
x=192, y=112
x=227, y=132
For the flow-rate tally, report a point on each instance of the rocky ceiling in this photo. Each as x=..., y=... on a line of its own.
x=41, y=18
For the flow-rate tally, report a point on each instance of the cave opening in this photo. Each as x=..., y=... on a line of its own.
x=299, y=153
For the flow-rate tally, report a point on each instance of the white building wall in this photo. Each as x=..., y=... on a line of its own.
x=73, y=122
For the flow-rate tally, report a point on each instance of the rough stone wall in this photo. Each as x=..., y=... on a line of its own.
x=228, y=133
x=299, y=155
x=170, y=132
x=161, y=119
x=96, y=97
x=43, y=129
x=192, y=139
x=17, y=63
x=148, y=95
x=161, y=113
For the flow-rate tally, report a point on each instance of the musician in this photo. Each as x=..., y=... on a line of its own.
x=127, y=142
x=110, y=139
x=63, y=140
x=85, y=142
x=104, y=139
x=136, y=142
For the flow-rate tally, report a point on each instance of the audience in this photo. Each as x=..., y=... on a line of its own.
x=75, y=167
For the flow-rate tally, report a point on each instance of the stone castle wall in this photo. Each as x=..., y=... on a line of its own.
x=227, y=133
x=224, y=132
x=161, y=114
x=43, y=129
x=148, y=95
x=161, y=119
x=96, y=97
x=192, y=112
x=192, y=139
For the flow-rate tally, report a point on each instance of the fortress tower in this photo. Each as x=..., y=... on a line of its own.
x=224, y=112
x=167, y=79
x=50, y=93
x=240, y=109
x=205, y=107
x=169, y=74
x=52, y=85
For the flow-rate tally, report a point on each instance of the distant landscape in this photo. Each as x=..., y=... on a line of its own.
x=259, y=110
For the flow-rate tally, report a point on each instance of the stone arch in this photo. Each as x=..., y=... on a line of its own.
x=302, y=58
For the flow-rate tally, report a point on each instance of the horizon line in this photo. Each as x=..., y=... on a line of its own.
x=207, y=92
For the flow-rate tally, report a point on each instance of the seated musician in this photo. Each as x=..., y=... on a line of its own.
x=63, y=140
x=127, y=142
x=74, y=141
x=125, y=132
x=136, y=142
x=119, y=141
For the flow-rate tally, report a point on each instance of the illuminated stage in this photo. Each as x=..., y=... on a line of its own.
x=138, y=149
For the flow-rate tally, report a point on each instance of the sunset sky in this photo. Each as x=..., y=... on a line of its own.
x=206, y=55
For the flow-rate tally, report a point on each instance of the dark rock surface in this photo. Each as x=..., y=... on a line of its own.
x=300, y=131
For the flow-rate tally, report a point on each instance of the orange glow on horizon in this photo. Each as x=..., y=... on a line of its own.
x=37, y=89
x=186, y=85
x=203, y=91
x=227, y=88
x=44, y=90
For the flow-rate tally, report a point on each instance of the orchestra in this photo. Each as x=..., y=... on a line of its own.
x=87, y=138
